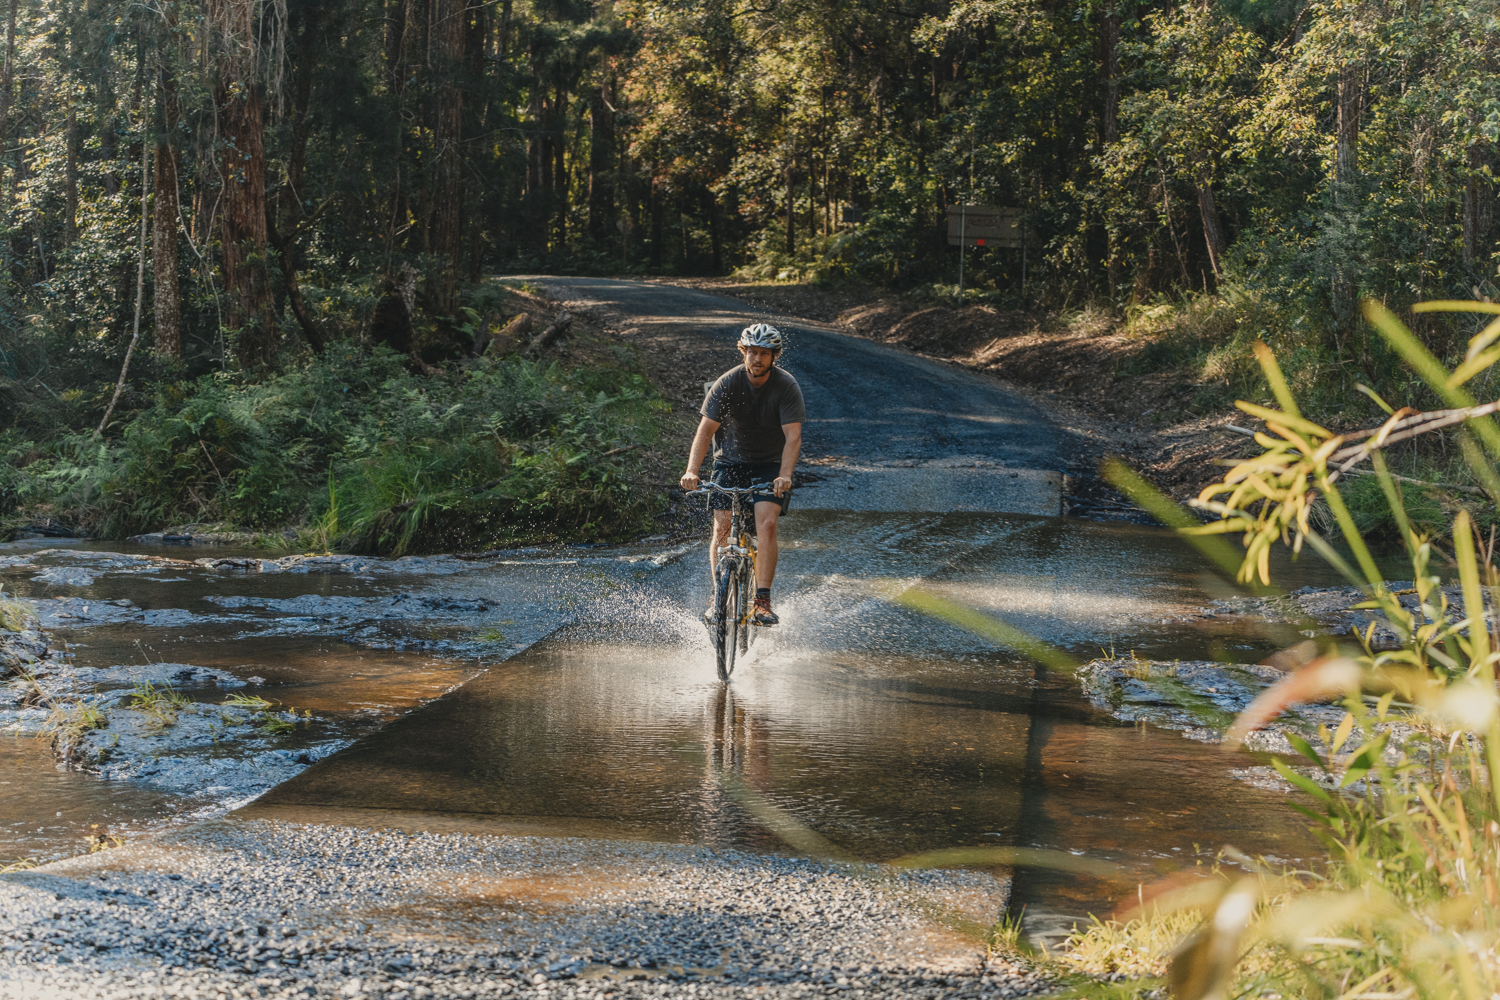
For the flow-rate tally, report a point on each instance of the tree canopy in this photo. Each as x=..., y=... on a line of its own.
x=318, y=170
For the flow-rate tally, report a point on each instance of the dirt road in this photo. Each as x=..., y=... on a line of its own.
x=885, y=431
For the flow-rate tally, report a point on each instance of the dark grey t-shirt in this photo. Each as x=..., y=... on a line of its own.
x=750, y=419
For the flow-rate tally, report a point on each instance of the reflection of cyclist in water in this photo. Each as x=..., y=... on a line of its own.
x=753, y=414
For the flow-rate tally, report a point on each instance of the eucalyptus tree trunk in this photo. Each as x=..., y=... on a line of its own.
x=7, y=82
x=560, y=167
x=1109, y=73
x=165, y=296
x=239, y=117
x=601, y=160
x=1213, y=228
x=447, y=47
x=1109, y=116
x=1478, y=202
x=70, y=170
x=791, y=210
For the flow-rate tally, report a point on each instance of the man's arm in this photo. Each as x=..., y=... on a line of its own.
x=789, y=455
x=701, y=440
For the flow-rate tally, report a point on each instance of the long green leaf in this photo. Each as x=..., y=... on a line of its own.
x=1351, y=533
x=1468, y=578
x=985, y=625
x=1394, y=501
x=1030, y=857
x=1125, y=479
x=1303, y=782
x=1456, y=305
x=1433, y=373
x=1275, y=378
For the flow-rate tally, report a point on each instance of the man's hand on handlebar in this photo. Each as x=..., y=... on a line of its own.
x=780, y=486
x=689, y=481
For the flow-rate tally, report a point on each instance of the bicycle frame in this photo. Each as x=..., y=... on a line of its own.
x=734, y=576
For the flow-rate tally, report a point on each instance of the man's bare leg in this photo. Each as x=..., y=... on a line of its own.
x=767, y=516
x=720, y=537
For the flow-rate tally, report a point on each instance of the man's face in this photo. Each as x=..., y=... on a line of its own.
x=758, y=360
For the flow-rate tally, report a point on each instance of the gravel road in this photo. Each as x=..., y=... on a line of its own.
x=887, y=430
x=254, y=909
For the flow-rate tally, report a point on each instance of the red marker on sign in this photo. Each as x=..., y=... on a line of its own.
x=980, y=242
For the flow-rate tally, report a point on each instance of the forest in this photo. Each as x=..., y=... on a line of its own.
x=266, y=203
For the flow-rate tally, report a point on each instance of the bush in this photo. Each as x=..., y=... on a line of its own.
x=377, y=457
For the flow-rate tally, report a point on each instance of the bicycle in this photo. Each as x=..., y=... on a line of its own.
x=734, y=578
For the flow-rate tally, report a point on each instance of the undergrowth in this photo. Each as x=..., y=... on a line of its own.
x=364, y=455
x=1407, y=903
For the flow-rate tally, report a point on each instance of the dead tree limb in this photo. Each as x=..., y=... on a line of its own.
x=545, y=339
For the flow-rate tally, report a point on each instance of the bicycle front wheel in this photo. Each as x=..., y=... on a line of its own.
x=727, y=628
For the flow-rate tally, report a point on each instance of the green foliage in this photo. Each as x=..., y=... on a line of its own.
x=15, y=616
x=369, y=455
x=1405, y=793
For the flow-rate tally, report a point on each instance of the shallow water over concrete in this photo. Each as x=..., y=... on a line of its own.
x=857, y=729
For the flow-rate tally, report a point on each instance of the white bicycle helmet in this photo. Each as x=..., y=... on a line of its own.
x=762, y=335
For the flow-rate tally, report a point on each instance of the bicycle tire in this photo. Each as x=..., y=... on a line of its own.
x=726, y=630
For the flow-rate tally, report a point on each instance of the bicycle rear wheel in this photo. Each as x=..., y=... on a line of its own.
x=727, y=628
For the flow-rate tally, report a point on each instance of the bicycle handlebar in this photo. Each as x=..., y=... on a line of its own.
x=707, y=487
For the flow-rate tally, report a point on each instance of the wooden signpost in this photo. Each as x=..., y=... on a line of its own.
x=985, y=226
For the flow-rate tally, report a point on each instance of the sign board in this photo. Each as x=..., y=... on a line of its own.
x=987, y=226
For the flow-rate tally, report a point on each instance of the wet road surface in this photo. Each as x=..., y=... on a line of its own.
x=857, y=729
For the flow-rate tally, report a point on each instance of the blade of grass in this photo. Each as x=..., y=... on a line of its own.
x=1011, y=857
x=1276, y=379
x=1468, y=578
x=1394, y=501
x=1125, y=479
x=1351, y=532
x=985, y=625
x=1483, y=469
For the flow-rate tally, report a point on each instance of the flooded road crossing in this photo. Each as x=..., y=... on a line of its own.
x=858, y=729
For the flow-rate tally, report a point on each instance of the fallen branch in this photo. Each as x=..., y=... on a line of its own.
x=546, y=337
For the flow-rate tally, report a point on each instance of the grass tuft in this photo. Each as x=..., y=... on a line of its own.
x=161, y=706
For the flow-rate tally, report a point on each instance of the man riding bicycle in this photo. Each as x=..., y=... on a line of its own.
x=753, y=415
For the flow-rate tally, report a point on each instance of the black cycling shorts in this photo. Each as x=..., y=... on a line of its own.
x=742, y=474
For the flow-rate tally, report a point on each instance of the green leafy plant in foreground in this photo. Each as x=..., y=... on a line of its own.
x=1409, y=802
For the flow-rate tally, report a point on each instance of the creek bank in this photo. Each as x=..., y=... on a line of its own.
x=1335, y=610
x=331, y=911
x=191, y=535
x=156, y=722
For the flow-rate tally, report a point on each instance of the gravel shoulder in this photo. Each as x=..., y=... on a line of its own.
x=264, y=908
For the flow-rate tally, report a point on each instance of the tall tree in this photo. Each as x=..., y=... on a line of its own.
x=166, y=296
x=7, y=86
x=450, y=24
x=240, y=164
